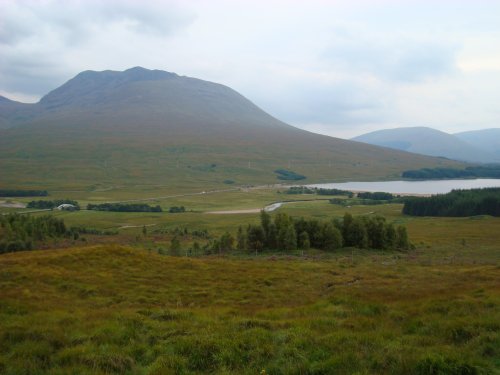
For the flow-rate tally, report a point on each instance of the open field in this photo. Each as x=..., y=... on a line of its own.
x=112, y=309
x=476, y=232
x=479, y=231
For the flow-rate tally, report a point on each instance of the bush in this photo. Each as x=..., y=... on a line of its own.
x=176, y=210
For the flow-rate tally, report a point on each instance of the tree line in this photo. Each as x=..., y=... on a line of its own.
x=287, y=233
x=26, y=232
x=22, y=232
x=319, y=191
x=23, y=193
x=177, y=209
x=377, y=196
x=121, y=207
x=42, y=204
x=456, y=203
x=488, y=171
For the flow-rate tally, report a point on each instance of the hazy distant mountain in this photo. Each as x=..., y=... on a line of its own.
x=12, y=113
x=427, y=141
x=153, y=127
x=485, y=139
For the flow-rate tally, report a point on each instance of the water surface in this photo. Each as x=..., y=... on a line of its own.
x=413, y=187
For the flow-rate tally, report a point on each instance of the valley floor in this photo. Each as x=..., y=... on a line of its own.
x=119, y=307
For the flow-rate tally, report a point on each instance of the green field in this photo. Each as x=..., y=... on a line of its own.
x=103, y=308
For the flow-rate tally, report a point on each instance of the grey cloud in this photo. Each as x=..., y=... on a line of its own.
x=74, y=20
x=36, y=36
x=35, y=74
x=341, y=103
x=400, y=60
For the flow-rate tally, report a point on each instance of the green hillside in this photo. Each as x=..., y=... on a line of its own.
x=142, y=127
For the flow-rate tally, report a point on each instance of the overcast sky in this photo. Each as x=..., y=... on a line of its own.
x=335, y=67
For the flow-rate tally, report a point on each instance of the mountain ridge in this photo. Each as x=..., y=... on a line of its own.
x=488, y=139
x=428, y=141
x=126, y=127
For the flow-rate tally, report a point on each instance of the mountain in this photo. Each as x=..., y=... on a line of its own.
x=149, y=127
x=12, y=113
x=427, y=141
x=485, y=139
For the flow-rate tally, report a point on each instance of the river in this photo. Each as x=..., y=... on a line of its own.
x=413, y=187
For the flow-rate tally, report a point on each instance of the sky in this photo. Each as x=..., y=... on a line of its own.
x=341, y=68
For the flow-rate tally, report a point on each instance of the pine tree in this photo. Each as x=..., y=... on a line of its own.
x=241, y=240
x=356, y=234
x=265, y=222
x=289, y=238
x=304, y=242
x=402, y=238
x=175, y=246
x=226, y=242
x=331, y=237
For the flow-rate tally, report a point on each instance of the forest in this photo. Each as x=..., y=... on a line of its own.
x=288, y=233
x=120, y=207
x=457, y=203
x=378, y=196
x=485, y=171
x=22, y=232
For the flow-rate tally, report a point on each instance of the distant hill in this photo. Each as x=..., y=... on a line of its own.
x=428, y=141
x=486, y=139
x=13, y=113
x=150, y=127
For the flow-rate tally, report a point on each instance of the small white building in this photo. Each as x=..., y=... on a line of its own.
x=66, y=207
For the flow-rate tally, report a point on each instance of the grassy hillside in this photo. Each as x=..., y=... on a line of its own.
x=150, y=128
x=116, y=310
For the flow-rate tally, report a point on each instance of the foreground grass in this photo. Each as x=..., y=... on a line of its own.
x=110, y=309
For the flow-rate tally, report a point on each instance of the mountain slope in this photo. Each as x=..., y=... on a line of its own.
x=426, y=141
x=486, y=139
x=152, y=127
x=12, y=112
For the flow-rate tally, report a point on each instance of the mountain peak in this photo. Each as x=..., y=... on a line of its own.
x=137, y=73
x=141, y=73
x=90, y=82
